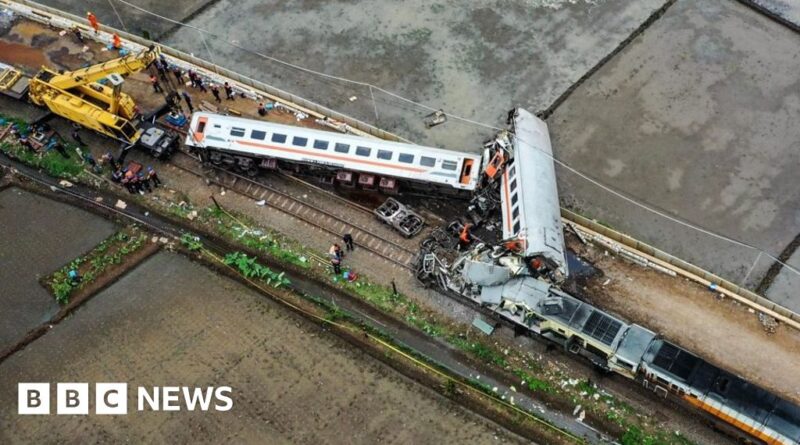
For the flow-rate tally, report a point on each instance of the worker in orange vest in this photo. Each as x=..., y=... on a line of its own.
x=93, y=21
x=117, y=41
x=464, y=237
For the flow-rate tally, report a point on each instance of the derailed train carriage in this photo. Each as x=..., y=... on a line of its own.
x=502, y=279
x=505, y=278
x=352, y=161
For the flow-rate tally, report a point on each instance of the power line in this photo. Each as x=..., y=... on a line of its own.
x=563, y=164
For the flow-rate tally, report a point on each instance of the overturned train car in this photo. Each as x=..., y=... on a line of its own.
x=531, y=212
x=250, y=145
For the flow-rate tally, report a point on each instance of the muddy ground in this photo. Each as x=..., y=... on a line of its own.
x=718, y=329
x=703, y=128
x=38, y=236
x=292, y=382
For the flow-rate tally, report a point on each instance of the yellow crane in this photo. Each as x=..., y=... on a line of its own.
x=79, y=97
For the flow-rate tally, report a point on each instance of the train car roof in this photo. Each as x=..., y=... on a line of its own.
x=354, y=139
x=551, y=303
x=634, y=343
x=753, y=401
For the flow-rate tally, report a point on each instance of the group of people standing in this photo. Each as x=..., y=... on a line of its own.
x=337, y=255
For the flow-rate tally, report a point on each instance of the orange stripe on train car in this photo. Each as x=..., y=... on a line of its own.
x=732, y=421
x=341, y=158
x=508, y=200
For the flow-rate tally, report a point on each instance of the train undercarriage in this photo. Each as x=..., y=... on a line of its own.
x=331, y=175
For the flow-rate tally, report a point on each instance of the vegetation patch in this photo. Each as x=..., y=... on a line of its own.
x=89, y=267
x=51, y=162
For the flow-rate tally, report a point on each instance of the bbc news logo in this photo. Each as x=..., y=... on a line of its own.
x=112, y=398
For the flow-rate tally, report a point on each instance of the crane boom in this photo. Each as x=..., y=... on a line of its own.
x=123, y=66
x=77, y=95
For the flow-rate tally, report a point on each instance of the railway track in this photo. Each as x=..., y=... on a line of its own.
x=323, y=219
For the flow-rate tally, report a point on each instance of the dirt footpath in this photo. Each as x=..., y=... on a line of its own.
x=172, y=322
x=720, y=330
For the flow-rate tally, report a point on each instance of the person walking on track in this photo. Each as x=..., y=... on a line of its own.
x=348, y=242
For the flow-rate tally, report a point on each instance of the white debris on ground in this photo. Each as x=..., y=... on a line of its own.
x=770, y=323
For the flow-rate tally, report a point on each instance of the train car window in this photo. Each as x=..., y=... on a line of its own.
x=201, y=127
x=236, y=131
x=406, y=158
x=259, y=135
x=516, y=227
x=515, y=213
x=363, y=151
x=449, y=165
x=513, y=199
x=217, y=126
x=385, y=154
x=320, y=145
x=427, y=162
x=276, y=137
x=513, y=185
x=341, y=148
x=300, y=142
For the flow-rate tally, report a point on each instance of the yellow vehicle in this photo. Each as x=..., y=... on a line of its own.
x=80, y=97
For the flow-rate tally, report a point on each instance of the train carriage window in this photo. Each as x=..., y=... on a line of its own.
x=236, y=131
x=201, y=127
x=320, y=145
x=511, y=171
x=513, y=199
x=259, y=135
x=363, y=151
x=516, y=227
x=385, y=154
x=300, y=142
x=341, y=148
x=276, y=137
x=406, y=158
x=449, y=165
x=513, y=185
x=427, y=162
x=515, y=213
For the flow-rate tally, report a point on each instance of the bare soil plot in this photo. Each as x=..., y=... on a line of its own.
x=38, y=236
x=718, y=329
x=172, y=322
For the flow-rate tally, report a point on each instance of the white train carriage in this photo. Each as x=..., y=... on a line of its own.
x=349, y=160
x=529, y=196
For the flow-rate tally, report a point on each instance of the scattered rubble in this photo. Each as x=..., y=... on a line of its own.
x=770, y=323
